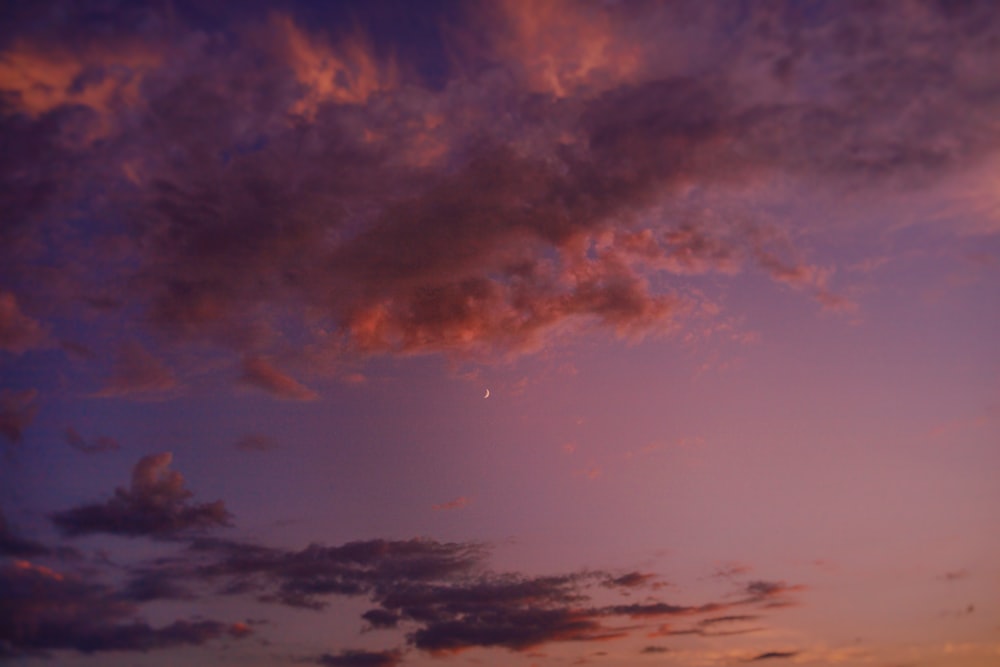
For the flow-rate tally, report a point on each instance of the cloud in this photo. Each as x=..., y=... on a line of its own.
x=956, y=575
x=136, y=372
x=302, y=191
x=361, y=659
x=771, y=594
x=441, y=594
x=457, y=503
x=98, y=445
x=254, y=442
x=155, y=505
x=774, y=654
x=44, y=610
x=301, y=578
x=654, y=650
x=631, y=579
x=17, y=411
x=12, y=544
x=381, y=619
x=727, y=619
x=259, y=372
x=18, y=332
x=346, y=73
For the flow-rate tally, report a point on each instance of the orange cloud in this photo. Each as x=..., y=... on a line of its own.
x=345, y=73
x=562, y=46
x=37, y=78
x=260, y=373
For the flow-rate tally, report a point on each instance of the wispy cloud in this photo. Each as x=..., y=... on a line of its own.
x=96, y=446
x=59, y=611
x=773, y=654
x=17, y=411
x=18, y=332
x=456, y=504
x=255, y=442
x=443, y=594
x=259, y=372
x=137, y=373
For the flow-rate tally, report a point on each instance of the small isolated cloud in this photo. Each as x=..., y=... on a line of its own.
x=96, y=446
x=956, y=575
x=17, y=411
x=57, y=611
x=771, y=594
x=379, y=619
x=156, y=505
x=260, y=373
x=631, y=580
x=730, y=570
x=254, y=442
x=774, y=654
x=727, y=619
x=361, y=659
x=18, y=332
x=136, y=372
x=456, y=504
x=654, y=650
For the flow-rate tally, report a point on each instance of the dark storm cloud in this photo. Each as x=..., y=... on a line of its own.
x=273, y=184
x=96, y=446
x=17, y=411
x=361, y=659
x=42, y=610
x=156, y=505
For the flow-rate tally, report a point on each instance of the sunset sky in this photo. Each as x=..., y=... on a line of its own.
x=518, y=333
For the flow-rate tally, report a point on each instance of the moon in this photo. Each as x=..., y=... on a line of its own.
x=487, y=394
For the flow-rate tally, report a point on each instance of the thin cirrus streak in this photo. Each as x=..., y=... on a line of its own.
x=283, y=246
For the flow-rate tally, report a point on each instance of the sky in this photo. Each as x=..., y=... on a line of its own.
x=521, y=333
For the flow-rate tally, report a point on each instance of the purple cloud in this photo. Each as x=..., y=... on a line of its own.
x=44, y=610
x=96, y=446
x=17, y=411
x=155, y=505
x=361, y=659
x=136, y=372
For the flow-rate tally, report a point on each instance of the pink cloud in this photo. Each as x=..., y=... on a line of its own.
x=259, y=372
x=457, y=503
x=17, y=411
x=137, y=373
x=18, y=332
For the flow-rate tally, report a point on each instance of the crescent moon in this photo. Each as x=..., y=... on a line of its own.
x=487, y=394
